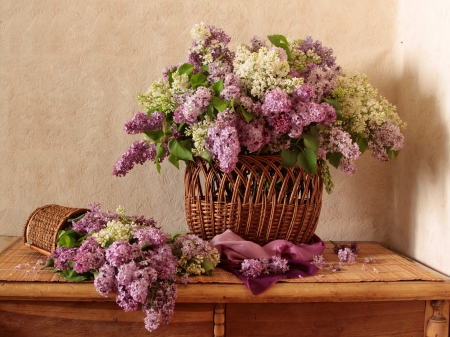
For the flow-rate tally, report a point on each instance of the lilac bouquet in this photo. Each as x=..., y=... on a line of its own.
x=286, y=96
x=126, y=255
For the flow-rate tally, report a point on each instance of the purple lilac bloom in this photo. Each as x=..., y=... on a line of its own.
x=326, y=54
x=252, y=268
x=341, y=141
x=94, y=220
x=223, y=143
x=278, y=265
x=346, y=255
x=230, y=92
x=166, y=72
x=142, y=221
x=62, y=257
x=150, y=236
x=257, y=43
x=252, y=135
x=105, y=282
x=276, y=101
x=232, y=80
x=138, y=153
x=89, y=256
x=163, y=261
x=120, y=252
x=323, y=81
x=164, y=301
x=218, y=70
x=125, y=301
x=330, y=113
x=303, y=94
x=384, y=136
x=141, y=122
x=319, y=261
x=152, y=319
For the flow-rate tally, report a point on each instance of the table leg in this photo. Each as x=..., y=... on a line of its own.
x=219, y=320
x=437, y=318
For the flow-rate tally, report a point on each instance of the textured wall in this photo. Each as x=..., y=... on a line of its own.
x=69, y=73
x=420, y=227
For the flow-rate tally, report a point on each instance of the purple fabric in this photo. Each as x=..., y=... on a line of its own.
x=234, y=249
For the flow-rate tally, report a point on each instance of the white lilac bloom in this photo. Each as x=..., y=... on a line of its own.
x=114, y=231
x=158, y=96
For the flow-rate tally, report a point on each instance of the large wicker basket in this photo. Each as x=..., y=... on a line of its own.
x=43, y=224
x=260, y=200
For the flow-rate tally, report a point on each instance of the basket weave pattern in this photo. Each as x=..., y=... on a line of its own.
x=43, y=224
x=260, y=200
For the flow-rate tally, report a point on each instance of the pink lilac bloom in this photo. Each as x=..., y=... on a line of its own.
x=330, y=114
x=62, y=257
x=319, y=261
x=250, y=106
x=190, y=245
x=164, y=262
x=347, y=166
x=276, y=101
x=232, y=80
x=386, y=135
x=125, y=301
x=150, y=236
x=138, y=153
x=94, y=220
x=217, y=71
x=143, y=221
x=152, y=319
x=90, y=256
x=166, y=72
x=277, y=265
x=141, y=122
x=105, y=282
x=257, y=43
x=193, y=107
x=346, y=255
x=231, y=92
x=121, y=252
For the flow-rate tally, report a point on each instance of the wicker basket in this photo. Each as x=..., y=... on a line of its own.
x=43, y=225
x=260, y=200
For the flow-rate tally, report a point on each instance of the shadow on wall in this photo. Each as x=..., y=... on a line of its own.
x=420, y=179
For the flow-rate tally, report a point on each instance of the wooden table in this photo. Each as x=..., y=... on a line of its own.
x=406, y=308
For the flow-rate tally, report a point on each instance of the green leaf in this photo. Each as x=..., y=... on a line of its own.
x=109, y=243
x=72, y=275
x=50, y=263
x=311, y=158
x=210, y=111
x=314, y=130
x=205, y=67
x=217, y=87
x=198, y=80
x=206, y=156
x=208, y=267
x=149, y=112
x=363, y=144
x=178, y=150
x=158, y=166
x=389, y=153
x=334, y=158
x=288, y=158
x=170, y=76
x=77, y=218
x=219, y=103
x=187, y=144
x=334, y=103
x=174, y=160
x=247, y=115
x=160, y=151
x=68, y=239
x=311, y=142
x=154, y=135
x=145, y=245
x=282, y=42
x=396, y=153
x=173, y=236
x=186, y=69
x=302, y=161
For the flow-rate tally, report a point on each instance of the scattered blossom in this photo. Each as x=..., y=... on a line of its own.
x=257, y=267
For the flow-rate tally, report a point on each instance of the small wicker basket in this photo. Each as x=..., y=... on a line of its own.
x=43, y=224
x=260, y=200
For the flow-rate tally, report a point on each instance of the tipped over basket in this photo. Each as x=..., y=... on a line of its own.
x=43, y=224
x=260, y=200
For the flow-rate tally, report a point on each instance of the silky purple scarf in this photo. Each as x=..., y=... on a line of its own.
x=233, y=250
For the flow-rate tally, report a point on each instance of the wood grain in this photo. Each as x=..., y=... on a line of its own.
x=369, y=319
x=36, y=318
x=225, y=293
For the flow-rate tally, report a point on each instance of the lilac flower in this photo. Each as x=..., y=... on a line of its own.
x=193, y=107
x=326, y=54
x=120, y=252
x=276, y=101
x=341, y=141
x=150, y=236
x=166, y=72
x=277, y=265
x=257, y=43
x=152, y=319
x=252, y=268
x=386, y=135
x=89, y=256
x=252, y=135
x=347, y=166
x=346, y=255
x=138, y=153
x=222, y=141
x=94, y=220
x=230, y=92
x=322, y=80
x=141, y=122
x=319, y=261
x=62, y=257
x=125, y=301
x=105, y=282
x=303, y=94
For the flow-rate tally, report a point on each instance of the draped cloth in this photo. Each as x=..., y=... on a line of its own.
x=234, y=250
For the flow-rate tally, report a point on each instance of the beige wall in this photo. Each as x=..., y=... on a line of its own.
x=420, y=225
x=69, y=72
